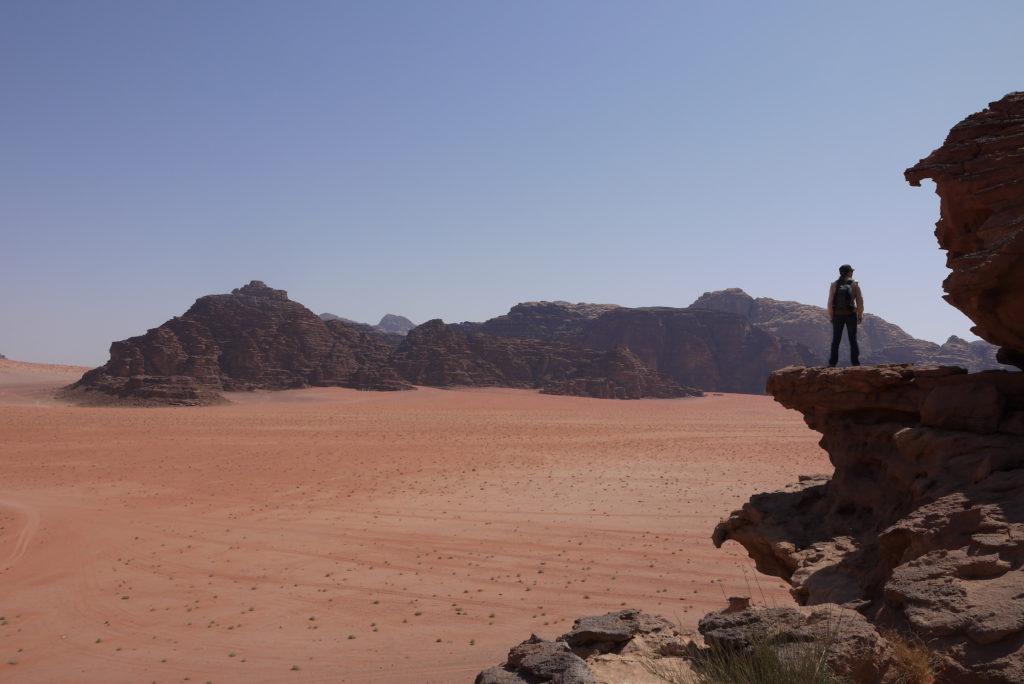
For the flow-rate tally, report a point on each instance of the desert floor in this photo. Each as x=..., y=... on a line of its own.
x=330, y=535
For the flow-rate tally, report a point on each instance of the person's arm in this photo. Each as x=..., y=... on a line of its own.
x=860, y=302
x=831, y=295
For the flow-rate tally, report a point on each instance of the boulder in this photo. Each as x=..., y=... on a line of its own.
x=624, y=647
x=844, y=639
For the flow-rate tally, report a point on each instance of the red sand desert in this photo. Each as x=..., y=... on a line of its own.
x=331, y=535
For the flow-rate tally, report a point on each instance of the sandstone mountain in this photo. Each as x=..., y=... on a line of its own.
x=879, y=340
x=920, y=525
x=541, y=321
x=713, y=350
x=442, y=355
x=257, y=338
x=391, y=329
x=399, y=325
x=253, y=338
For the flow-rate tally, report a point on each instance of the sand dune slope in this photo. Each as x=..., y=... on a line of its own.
x=329, y=535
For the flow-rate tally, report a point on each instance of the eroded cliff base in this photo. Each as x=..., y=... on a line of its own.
x=921, y=526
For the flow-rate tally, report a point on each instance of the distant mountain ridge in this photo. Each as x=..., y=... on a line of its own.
x=257, y=338
x=389, y=323
x=879, y=341
x=726, y=341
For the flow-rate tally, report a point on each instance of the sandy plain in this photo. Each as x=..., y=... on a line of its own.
x=330, y=535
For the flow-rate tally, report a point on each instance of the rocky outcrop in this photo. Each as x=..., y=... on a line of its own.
x=979, y=177
x=880, y=341
x=253, y=338
x=639, y=648
x=849, y=644
x=440, y=355
x=712, y=350
x=921, y=522
x=606, y=649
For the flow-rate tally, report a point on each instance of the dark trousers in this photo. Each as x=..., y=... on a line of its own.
x=849, y=321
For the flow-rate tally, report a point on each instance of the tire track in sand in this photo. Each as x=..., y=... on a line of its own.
x=29, y=519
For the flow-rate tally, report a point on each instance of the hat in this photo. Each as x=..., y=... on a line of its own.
x=845, y=268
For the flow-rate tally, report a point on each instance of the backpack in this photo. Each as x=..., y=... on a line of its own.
x=843, y=301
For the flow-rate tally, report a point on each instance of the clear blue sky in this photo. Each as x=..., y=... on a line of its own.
x=448, y=159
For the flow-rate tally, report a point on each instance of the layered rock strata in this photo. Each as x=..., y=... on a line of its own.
x=712, y=350
x=920, y=525
x=560, y=321
x=979, y=178
x=440, y=355
x=880, y=341
x=257, y=338
x=253, y=338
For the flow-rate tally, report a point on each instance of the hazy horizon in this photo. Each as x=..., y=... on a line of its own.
x=450, y=159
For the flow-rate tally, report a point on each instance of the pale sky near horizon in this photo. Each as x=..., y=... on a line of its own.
x=450, y=158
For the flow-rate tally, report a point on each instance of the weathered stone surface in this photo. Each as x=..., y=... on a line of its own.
x=443, y=356
x=536, y=661
x=979, y=177
x=616, y=648
x=921, y=524
x=253, y=338
x=880, y=342
x=610, y=632
x=852, y=646
x=560, y=321
x=711, y=350
x=616, y=374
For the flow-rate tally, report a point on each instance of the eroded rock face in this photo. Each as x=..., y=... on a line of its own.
x=253, y=338
x=560, y=321
x=440, y=355
x=921, y=523
x=712, y=350
x=880, y=341
x=979, y=176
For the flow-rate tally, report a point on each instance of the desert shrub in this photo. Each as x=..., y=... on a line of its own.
x=916, y=663
x=766, y=661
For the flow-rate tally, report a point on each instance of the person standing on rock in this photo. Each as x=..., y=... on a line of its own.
x=845, y=310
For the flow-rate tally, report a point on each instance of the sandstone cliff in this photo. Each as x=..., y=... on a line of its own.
x=441, y=355
x=253, y=338
x=541, y=321
x=257, y=338
x=712, y=350
x=920, y=525
x=978, y=174
x=879, y=340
